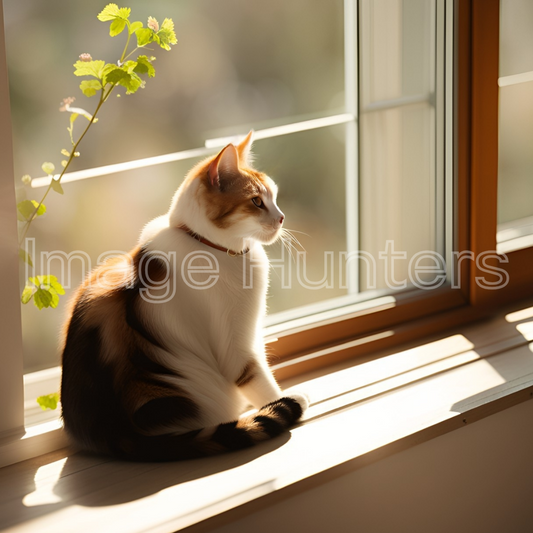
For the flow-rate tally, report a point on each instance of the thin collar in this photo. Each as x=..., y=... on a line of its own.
x=194, y=235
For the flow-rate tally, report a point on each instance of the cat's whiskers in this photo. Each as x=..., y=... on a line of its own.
x=290, y=242
x=288, y=235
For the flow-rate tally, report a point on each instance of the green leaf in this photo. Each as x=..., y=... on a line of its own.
x=110, y=12
x=73, y=117
x=144, y=36
x=89, y=68
x=166, y=34
x=134, y=26
x=132, y=83
x=126, y=76
x=48, y=401
x=48, y=168
x=129, y=66
x=117, y=27
x=43, y=298
x=57, y=186
x=57, y=286
x=27, y=293
x=54, y=283
x=25, y=256
x=90, y=87
x=113, y=12
x=47, y=293
x=26, y=209
x=144, y=66
x=47, y=282
x=168, y=26
x=115, y=74
x=124, y=12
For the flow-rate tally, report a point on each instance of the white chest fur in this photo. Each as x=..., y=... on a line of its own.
x=212, y=304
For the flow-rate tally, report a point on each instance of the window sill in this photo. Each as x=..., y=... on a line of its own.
x=361, y=411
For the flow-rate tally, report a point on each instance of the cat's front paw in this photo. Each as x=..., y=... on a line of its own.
x=301, y=397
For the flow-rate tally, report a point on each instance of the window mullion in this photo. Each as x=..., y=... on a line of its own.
x=351, y=96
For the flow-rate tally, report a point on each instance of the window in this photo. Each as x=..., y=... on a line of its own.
x=368, y=70
x=366, y=140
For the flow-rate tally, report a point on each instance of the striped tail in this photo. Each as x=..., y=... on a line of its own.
x=269, y=422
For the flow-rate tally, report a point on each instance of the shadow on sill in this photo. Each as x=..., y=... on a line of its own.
x=83, y=479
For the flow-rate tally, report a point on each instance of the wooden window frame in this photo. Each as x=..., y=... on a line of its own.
x=417, y=315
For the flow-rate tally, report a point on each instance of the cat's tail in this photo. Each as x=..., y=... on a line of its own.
x=268, y=422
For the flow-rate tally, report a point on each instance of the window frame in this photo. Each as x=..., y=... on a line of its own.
x=415, y=316
x=366, y=328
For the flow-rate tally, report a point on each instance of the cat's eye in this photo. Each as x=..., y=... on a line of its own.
x=257, y=201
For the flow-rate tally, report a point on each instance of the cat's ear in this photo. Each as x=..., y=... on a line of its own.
x=244, y=148
x=226, y=162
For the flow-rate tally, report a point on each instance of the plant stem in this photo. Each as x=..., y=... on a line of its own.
x=103, y=98
x=127, y=43
x=131, y=53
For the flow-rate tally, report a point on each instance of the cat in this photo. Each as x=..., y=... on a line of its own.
x=163, y=349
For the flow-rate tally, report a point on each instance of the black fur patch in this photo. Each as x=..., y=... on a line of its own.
x=131, y=297
x=142, y=361
x=270, y=426
x=87, y=391
x=146, y=270
x=166, y=411
x=232, y=437
x=287, y=409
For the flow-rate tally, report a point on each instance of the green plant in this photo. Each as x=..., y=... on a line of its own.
x=104, y=77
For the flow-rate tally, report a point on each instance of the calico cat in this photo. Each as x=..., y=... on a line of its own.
x=163, y=347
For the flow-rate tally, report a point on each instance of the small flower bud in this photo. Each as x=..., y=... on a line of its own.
x=85, y=57
x=153, y=24
x=48, y=168
x=64, y=163
x=65, y=103
x=76, y=154
x=26, y=179
x=65, y=152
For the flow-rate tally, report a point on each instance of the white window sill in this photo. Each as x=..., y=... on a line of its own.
x=360, y=412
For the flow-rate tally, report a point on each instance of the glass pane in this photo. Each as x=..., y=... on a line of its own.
x=99, y=217
x=396, y=49
x=309, y=170
x=516, y=37
x=515, y=166
x=515, y=157
x=238, y=63
x=398, y=189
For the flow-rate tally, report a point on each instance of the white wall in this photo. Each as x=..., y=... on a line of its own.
x=478, y=479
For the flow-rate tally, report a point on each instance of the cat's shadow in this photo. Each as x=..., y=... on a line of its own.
x=97, y=483
x=92, y=481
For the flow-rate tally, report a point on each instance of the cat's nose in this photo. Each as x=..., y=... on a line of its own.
x=281, y=219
